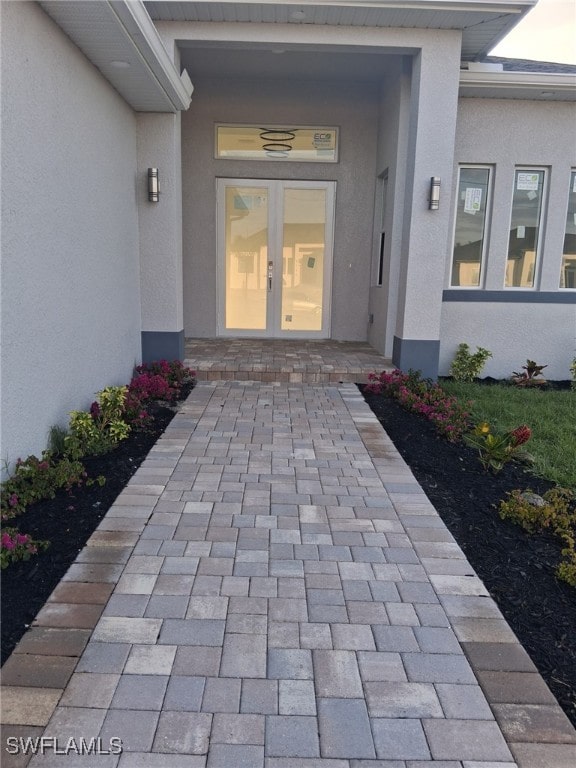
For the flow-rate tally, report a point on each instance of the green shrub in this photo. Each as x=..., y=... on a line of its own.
x=101, y=428
x=555, y=510
x=467, y=366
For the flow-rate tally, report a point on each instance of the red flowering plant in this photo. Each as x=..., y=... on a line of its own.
x=425, y=398
x=497, y=449
x=156, y=381
x=173, y=372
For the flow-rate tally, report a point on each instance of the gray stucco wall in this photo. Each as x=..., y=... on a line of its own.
x=392, y=158
x=353, y=107
x=506, y=134
x=70, y=274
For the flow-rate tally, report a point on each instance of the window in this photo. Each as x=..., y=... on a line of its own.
x=568, y=272
x=381, y=207
x=277, y=143
x=469, y=230
x=525, y=228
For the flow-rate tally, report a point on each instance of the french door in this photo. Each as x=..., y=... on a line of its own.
x=274, y=257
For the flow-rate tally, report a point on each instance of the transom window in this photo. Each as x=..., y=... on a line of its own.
x=470, y=226
x=523, y=243
x=300, y=144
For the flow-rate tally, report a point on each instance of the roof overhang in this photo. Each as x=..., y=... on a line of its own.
x=518, y=85
x=483, y=22
x=120, y=39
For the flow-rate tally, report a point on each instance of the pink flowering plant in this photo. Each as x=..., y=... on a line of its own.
x=496, y=449
x=35, y=479
x=451, y=418
x=16, y=546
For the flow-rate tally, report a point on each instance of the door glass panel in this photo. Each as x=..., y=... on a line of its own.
x=246, y=222
x=303, y=247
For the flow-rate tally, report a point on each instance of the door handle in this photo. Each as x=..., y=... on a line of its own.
x=270, y=266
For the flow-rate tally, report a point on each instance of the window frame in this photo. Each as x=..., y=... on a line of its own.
x=541, y=225
x=486, y=229
x=571, y=191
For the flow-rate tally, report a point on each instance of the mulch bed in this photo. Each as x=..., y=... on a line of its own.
x=517, y=568
x=67, y=521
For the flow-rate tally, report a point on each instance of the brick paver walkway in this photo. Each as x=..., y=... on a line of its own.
x=283, y=360
x=274, y=590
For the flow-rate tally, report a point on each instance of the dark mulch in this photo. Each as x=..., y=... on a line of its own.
x=516, y=567
x=67, y=521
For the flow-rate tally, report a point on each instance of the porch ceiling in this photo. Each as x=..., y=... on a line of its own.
x=482, y=22
x=283, y=62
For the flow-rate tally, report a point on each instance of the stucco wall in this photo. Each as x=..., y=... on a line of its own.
x=513, y=333
x=392, y=150
x=353, y=107
x=533, y=134
x=70, y=275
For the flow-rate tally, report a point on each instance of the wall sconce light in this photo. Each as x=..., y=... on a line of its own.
x=153, y=185
x=434, y=200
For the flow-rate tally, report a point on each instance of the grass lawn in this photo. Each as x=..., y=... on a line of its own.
x=550, y=414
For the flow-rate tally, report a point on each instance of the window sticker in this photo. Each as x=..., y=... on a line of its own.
x=527, y=182
x=521, y=232
x=472, y=200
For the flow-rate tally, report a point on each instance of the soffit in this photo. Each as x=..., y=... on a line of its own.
x=120, y=39
x=483, y=23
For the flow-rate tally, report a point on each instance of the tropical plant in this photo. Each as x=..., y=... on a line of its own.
x=497, y=449
x=528, y=377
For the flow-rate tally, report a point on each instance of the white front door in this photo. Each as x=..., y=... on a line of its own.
x=274, y=257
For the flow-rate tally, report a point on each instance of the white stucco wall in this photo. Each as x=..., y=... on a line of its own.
x=70, y=274
x=506, y=134
x=513, y=333
x=353, y=107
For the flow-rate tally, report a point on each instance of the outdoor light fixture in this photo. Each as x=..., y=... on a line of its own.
x=153, y=185
x=434, y=200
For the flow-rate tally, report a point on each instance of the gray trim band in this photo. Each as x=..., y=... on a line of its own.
x=162, y=345
x=418, y=354
x=512, y=296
